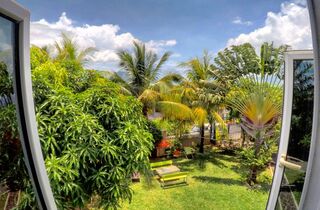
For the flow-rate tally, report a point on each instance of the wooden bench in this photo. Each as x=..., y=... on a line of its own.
x=160, y=164
x=173, y=179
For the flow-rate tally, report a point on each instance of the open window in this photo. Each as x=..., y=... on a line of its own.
x=16, y=101
x=297, y=171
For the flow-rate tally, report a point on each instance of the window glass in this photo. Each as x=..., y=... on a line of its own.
x=13, y=173
x=300, y=134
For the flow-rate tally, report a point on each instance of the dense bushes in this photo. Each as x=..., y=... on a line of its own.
x=93, y=137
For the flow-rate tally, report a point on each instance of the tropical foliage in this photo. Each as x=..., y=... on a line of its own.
x=203, y=93
x=93, y=137
x=258, y=99
x=94, y=131
x=143, y=69
x=237, y=61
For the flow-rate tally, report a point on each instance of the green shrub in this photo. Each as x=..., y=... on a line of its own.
x=155, y=131
x=93, y=137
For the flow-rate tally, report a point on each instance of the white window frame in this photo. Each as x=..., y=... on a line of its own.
x=310, y=196
x=286, y=121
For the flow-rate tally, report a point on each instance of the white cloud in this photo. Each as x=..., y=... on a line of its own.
x=301, y=2
x=176, y=55
x=290, y=26
x=105, y=38
x=239, y=21
x=160, y=44
x=4, y=42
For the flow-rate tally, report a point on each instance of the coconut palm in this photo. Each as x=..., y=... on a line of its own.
x=258, y=99
x=201, y=96
x=143, y=69
x=205, y=93
x=68, y=49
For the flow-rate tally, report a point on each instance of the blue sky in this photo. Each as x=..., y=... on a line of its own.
x=184, y=27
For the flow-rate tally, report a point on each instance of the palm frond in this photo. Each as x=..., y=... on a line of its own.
x=258, y=101
x=116, y=78
x=200, y=115
x=149, y=96
x=175, y=110
x=82, y=57
x=162, y=60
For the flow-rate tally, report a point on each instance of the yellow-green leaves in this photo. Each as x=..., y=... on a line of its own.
x=258, y=99
x=175, y=110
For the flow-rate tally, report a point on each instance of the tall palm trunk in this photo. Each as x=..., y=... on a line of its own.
x=213, y=132
x=145, y=111
x=201, y=150
x=254, y=169
x=243, y=137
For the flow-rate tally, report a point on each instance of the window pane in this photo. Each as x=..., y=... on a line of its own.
x=300, y=134
x=13, y=174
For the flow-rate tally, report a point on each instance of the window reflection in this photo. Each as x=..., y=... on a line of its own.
x=13, y=175
x=300, y=134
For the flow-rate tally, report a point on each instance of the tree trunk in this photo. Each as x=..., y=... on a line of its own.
x=253, y=176
x=201, y=150
x=243, y=137
x=145, y=111
x=254, y=169
x=213, y=133
x=12, y=200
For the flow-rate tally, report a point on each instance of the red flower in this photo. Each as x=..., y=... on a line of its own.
x=164, y=143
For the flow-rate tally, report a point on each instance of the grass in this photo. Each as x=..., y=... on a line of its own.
x=218, y=186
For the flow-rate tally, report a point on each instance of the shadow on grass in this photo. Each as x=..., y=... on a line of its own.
x=147, y=185
x=262, y=186
x=189, y=165
x=211, y=179
x=216, y=160
x=228, y=158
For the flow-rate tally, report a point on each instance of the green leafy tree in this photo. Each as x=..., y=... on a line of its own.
x=237, y=61
x=93, y=138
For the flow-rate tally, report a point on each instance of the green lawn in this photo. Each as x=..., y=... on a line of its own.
x=218, y=186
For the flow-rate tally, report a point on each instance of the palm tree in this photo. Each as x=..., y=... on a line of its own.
x=200, y=96
x=68, y=49
x=205, y=94
x=143, y=68
x=258, y=99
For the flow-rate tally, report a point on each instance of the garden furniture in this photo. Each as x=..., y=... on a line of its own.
x=171, y=179
x=160, y=164
x=167, y=170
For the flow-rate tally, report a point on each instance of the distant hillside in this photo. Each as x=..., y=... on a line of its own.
x=107, y=74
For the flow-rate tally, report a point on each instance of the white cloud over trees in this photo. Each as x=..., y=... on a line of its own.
x=105, y=38
x=289, y=26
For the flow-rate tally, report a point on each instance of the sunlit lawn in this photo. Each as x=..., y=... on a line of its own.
x=218, y=186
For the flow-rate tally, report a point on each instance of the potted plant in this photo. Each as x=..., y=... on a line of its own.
x=176, y=148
